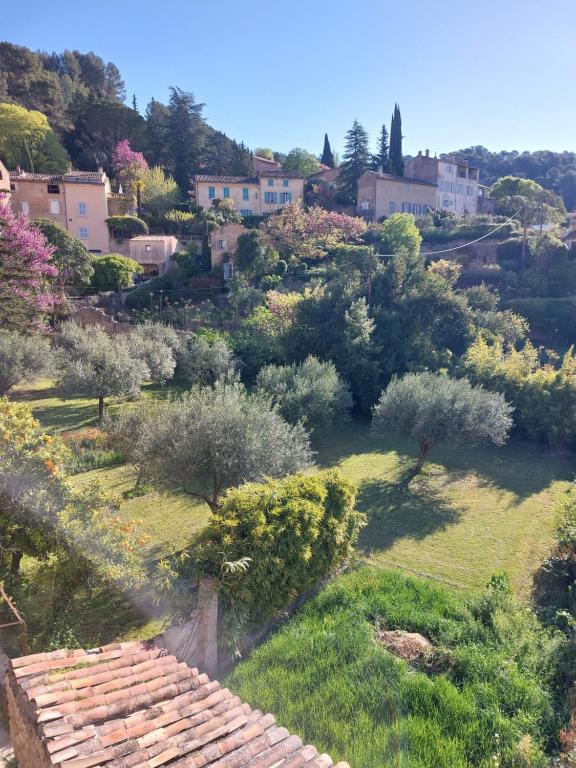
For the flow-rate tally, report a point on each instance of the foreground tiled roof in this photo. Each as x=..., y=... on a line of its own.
x=130, y=705
x=82, y=177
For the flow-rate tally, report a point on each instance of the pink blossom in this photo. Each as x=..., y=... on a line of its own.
x=24, y=259
x=126, y=163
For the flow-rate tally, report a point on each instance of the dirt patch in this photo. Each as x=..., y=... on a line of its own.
x=406, y=645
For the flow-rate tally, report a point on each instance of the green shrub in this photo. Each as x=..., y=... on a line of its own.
x=295, y=531
x=114, y=272
x=127, y=225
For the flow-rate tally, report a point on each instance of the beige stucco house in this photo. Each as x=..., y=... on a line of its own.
x=457, y=182
x=153, y=252
x=4, y=180
x=264, y=193
x=381, y=194
x=77, y=200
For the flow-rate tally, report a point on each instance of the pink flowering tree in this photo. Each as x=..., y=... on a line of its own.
x=25, y=271
x=127, y=164
x=312, y=233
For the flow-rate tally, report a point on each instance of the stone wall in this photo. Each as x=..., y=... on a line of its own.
x=28, y=749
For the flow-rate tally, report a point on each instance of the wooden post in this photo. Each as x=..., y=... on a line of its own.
x=208, y=632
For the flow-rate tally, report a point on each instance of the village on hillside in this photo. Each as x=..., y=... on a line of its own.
x=287, y=440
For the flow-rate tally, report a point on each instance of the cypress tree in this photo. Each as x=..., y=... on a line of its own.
x=327, y=154
x=382, y=156
x=396, y=157
x=356, y=160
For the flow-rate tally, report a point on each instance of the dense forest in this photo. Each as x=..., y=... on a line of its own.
x=553, y=170
x=83, y=99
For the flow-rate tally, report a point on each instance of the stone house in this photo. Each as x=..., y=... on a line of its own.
x=223, y=246
x=381, y=194
x=264, y=193
x=457, y=182
x=77, y=200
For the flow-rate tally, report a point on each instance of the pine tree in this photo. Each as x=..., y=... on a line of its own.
x=382, y=157
x=356, y=160
x=327, y=154
x=134, y=103
x=396, y=157
x=157, y=116
x=186, y=137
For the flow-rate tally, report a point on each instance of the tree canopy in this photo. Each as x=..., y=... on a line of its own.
x=437, y=409
x=25, y=267
x=114, y=272
x=301, y=161
x=90, y=362
x=212, y=439
x=70, y=257
x=355, y=160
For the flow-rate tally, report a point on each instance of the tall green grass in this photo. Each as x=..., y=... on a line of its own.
x=490, y=702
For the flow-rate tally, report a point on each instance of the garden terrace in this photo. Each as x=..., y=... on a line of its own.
x=129, y=704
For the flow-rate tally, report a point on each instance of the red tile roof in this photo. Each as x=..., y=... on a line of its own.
x=129, y=705
x=80, y=177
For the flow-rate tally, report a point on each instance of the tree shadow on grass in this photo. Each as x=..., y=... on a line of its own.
x=520, y=467
x=404, y=507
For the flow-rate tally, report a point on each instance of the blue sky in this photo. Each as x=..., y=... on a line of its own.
x=499, y=73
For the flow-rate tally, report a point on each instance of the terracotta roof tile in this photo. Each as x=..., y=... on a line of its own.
x=131, y=705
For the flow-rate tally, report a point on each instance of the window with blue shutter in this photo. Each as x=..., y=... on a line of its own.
x=270, y=182
x=226, y=192
x=245, y=193
x=285, y=182
x=211, y=193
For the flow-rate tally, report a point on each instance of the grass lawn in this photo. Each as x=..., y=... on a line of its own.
x=484, y=698
x=169, y=520
x=472, y=512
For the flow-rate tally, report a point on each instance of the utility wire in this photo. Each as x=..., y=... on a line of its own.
x=464, y=245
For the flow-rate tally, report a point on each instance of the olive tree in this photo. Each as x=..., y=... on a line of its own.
x=22, y=358
x=157, y=346
x=311, y=392
x=209, y=440
x=93, y=363
x=436, y=409
x=203, y=363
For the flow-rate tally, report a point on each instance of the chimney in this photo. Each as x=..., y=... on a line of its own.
x=419, y=153
x=19, y=170
x=427, y=153
x=100, y=169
